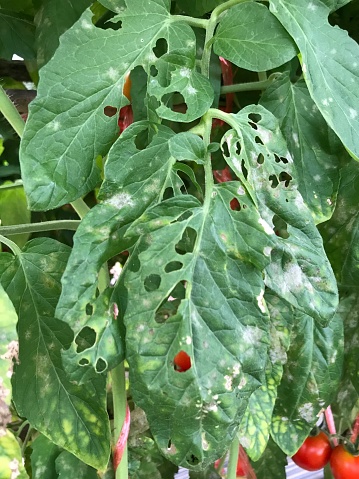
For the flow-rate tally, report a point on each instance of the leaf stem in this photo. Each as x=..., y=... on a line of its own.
x=80, y=207
x=21, y=427
x=192, y=21
x=250, y=86
x=71, y=225
x=26, y=440
x=10, y=244
x=210, y=29
x=233, y=458
x=262, y=76
x=119, y=405
x=8, y=109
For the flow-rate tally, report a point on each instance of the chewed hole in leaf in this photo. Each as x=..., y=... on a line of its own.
x=84, y=362
x=255, y=118
x=169, y=444
x=152, y=282
x=142, y=140
x=85, y=339
x=173, y=266
x=161, y=47
x=238, y=148
x=279, y=159
x=274, y=181
x=175, y=101
x=170, y=305
x=134, y=264
x=192, y=460
x=101, y=365
x=89, y=309
x=187, y=242
x=235, y=205
x=225, y=149
x=168, y=193
x=260, y=159
x=110, y=111
x=286, y=178
x=184, y=216
x=258, y=140
x=280, y=227
x=181, y=362
x=153, y=71
x=244, y=169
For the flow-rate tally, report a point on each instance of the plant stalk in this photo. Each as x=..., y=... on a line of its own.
x=250, y=86
x=37, y=227
x=8, y=109
x=119, y=405
x=192, y=21
x=10, y=244
x=233, y=458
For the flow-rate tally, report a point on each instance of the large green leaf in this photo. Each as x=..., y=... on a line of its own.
x=255, y=426
x=272, y=463
x=252, y=38
x=133, y=180
x=311, y=377
x=71, y=416
x=17, y=35
x=52, y=20
x=199, y=7
x=13, y=211
x=59, y=141
x=11, y=465
x=341, y=233
x=298, y=269
x=330, y=76
x=314, y=147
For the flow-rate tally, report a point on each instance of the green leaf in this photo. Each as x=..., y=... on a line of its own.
x=71, y=416
x=17, y=35
x=115, y=5
x=133, y=180
x=52, y=20
x=199, y=7
x=145, y=460
x=330, y=75
x=310, y=380
x=216, y=253
x=340, y=234
x=314, y=147
x=254, y=429
x=43, y=456
x=66, y=462
x=9, y=349
x=10, y=458
x=13, y=211
x=272, y=463
x=252, y=38
x=21, y=6
x=58, y=142
x=298, y=269
x=187, y=147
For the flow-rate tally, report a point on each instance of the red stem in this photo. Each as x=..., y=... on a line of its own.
x=121, y=443
x=355, y=431
x=330, y=423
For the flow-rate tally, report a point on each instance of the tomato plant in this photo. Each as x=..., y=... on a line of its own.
x=314, y=453
x=179, y=224
x=343, y=464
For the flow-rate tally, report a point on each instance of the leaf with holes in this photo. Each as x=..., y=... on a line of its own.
x=72, y=416
x=58, y=142
x=330, y=76
x=189, y=356
x=299, y=271
x=134, y=179
x=254, y=429
x=340, y=234
x=314, y=147
x=310, y=379
x=252, y=38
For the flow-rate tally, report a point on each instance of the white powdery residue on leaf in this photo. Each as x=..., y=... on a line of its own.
x=260, y=301
x=115, y=271
x=293, y=277
x=54, y=125
x=228, y=383
x=112, y=74
x=188, y=340
x=267, y=250
x=311, y=6
x=265, y=226
x=191, y=90
x=296, y=139
x=253, y=335
x=317, y=178
x=264, y=134
x=14, y=468
x=236, y=369
x=245, y=441
x=242, y=383
x=185, y=72
x=241, y=191
x=307, y=412
x=325, y=102
x=353, y=113
x=86, y=24
x=334, y=357
x=120, y=200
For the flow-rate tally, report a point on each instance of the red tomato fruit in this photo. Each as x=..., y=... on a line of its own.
x=182, y=362
x=343, y=464
x=314, y=453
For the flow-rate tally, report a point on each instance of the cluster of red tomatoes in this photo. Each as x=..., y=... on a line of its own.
x=317, y=451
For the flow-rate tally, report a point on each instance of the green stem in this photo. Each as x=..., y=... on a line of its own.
x=10, y=244
x=26, y=440
x=19, y=431
x=80, y=207
x=119, y=406
x=8, y=109
x=37, y=227
x=211, y=26
x=192, y=21
x=262, y=76
x=251, y=86
x=233, y=459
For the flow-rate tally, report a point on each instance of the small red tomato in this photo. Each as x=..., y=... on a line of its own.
x=182, y=362
x=314, y=453
x=343, y=464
